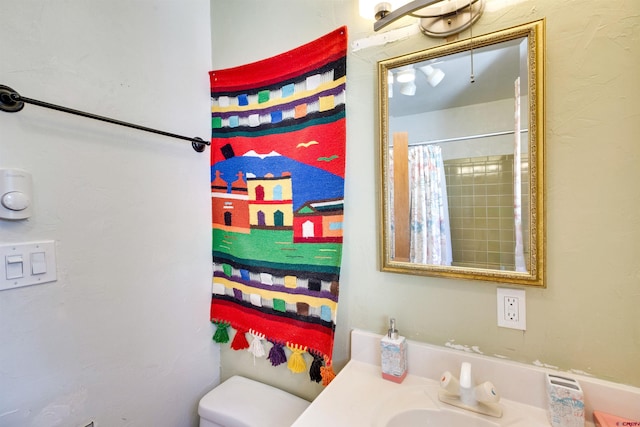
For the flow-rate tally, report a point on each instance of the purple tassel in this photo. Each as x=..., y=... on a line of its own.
x=276, y=354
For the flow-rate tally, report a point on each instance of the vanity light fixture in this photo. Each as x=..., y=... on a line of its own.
x=434, y=75
x=377, y=9
x=406, y=78
x=438, y=18
x=408, y=88
x=406, y=75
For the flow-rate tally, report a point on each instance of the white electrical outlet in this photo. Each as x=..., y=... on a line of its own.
x=511, y=309
x=512, y=312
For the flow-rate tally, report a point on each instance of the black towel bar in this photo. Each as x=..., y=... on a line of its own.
x=12, y=102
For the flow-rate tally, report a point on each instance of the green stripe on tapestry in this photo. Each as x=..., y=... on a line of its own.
x=285, y=129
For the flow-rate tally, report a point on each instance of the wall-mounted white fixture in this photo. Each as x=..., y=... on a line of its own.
x=434, y=75
x=15, y=194
x=406, y=78
x=25, y=264
x=512, y=308
x=408, y=88
x=438, y=18
x=374, y=9
x=406, y=75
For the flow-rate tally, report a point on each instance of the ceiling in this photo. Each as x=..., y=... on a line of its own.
x=495, y=68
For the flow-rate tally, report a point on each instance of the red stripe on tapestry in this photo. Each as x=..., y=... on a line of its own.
x=303, y=59
x=311, y=335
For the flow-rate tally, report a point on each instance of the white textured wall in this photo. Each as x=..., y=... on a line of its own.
x=587, y=319
x=122, y=338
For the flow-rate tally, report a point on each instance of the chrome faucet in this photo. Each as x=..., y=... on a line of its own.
x=481, y=398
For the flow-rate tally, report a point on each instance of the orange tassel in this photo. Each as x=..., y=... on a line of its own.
x=327, y=374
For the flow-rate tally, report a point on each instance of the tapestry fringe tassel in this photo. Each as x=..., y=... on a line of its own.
x=319, y=371
x=222, y=332
x=296, y=361
x=256, y=347
x=277, y=355
x=240, y=340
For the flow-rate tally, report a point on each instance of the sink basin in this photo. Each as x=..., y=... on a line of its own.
x=419, y=406
x=436, y=418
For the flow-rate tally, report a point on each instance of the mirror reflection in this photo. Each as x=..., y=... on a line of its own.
x=461, y=150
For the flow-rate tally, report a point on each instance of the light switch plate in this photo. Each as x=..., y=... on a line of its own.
x=38, y=264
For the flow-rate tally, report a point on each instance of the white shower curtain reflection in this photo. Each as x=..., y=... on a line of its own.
x=429, y=212
x=517, y=182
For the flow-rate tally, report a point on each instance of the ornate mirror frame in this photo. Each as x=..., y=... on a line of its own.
x=534, y=275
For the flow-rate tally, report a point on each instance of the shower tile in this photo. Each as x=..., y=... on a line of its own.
x=493, y=224
x=466, y=190
x=493, y=200
x=493, y=246
x=482, y=235
x=493, y=189
x=480, y=211
x=468, y=222
x=480, y=223
x=480, y=201
x=468, y=234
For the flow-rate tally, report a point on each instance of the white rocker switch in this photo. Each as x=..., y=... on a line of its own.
x=38, y=263
x=14, y=267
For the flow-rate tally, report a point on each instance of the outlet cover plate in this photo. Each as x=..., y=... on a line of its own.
x=512, y=311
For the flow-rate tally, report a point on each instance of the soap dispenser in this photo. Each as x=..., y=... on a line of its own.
x=393, y=354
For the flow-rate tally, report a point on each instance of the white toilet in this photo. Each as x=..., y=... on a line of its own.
x=241, y=402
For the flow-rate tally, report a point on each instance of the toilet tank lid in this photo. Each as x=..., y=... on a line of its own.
x=240, y=401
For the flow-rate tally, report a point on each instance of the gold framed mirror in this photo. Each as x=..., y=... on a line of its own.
x=462, y=159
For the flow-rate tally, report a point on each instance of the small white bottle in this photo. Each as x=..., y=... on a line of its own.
x=393, y=352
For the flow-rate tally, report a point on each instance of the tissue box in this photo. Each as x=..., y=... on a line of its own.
x=566, y=401
x=602, y=419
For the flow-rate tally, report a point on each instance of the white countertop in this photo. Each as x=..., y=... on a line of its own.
x=359, y=396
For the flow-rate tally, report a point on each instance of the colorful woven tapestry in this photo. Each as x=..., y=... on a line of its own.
x=277, y=194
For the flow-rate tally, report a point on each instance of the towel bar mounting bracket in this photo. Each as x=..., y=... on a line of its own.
x=7, y=102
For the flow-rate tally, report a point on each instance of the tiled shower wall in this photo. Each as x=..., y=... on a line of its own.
x=480, y=196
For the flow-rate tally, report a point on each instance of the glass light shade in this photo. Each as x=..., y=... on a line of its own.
x=434, y=75
x=408, y=89
x=368, y=7
x=406, y=76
